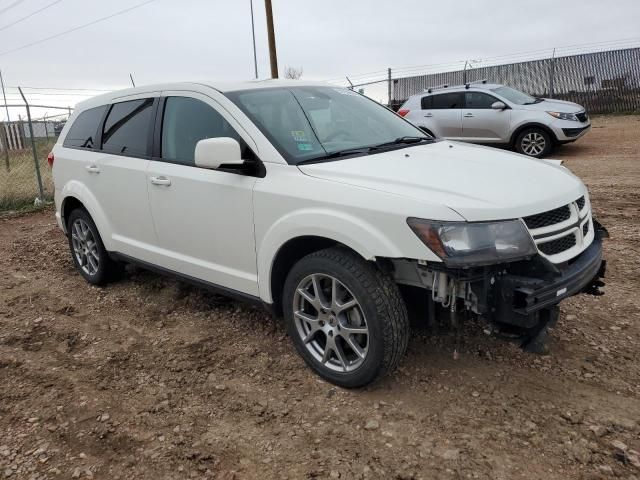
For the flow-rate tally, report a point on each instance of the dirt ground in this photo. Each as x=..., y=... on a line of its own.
x=149, y=378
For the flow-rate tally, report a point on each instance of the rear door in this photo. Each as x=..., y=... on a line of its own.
x=203, y=218
x=482, y=123
x=116, y=175
x=444, y=114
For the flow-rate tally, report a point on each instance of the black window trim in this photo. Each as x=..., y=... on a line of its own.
x=97, y=134
x=257, y=170
x=495, y=99
x=440, y=94
x=154, y=108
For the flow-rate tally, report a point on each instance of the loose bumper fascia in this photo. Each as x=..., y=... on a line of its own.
x=518, y=299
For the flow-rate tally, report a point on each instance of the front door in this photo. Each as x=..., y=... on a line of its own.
x=481, y=123
x=203, y=218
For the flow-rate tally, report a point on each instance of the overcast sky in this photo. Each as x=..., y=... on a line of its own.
x=171, y=40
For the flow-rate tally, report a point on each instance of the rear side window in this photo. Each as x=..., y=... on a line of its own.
x=127, y=127
x=185, y=122
x=426, y=103
x=82, y=133
x=447, y=100
x=477, y=100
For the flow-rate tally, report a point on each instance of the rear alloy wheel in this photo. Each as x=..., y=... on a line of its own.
x=534, y=142
x=345, y=317
x=87, y=250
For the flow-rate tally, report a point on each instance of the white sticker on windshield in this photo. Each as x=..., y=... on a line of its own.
x=345, y=91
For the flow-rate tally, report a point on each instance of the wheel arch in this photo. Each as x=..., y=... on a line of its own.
x=76, y=195
x=541, y=126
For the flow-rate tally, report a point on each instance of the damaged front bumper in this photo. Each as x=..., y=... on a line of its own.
x=523, y=294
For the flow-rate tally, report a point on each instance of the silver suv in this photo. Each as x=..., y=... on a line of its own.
x=496, y=114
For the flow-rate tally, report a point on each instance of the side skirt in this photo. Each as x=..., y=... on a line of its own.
x=212, y=287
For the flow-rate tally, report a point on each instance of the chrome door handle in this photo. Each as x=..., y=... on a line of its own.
x=429, y=115
x=161, y=181
x=93, y=168
x=468, y=115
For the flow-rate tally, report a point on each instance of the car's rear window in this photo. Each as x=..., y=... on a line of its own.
x=82, y=133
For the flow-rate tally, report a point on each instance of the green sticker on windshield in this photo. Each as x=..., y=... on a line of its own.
x=305, y=147
x=299, y=135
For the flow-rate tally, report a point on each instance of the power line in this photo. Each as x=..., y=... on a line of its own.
x=74, y=29
x=65, y=89
x=10, y=6
x=29, y=16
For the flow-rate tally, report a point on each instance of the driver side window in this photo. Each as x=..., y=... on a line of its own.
x=185, y=122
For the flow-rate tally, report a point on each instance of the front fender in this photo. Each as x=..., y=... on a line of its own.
x=359, y=235
x=79, y=191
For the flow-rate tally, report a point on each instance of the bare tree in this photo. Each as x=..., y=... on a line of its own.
x=293, y=73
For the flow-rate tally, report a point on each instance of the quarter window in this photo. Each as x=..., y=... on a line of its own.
x=427, y=103
x=447, y=101
x=127, y=127
x=477, y=100
x=82, y=133
x=186, y=121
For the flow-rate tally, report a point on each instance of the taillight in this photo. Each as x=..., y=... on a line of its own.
x=402, y=112
x=50, y=159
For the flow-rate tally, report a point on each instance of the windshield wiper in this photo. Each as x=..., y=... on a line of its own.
x=407, y=139
x=355, y=151
x=336, y=154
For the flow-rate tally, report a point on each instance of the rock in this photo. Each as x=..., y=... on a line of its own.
x=606, y=469
x=449, y=453
x=76, y=473
x=633, y=458
x=598, y=430
x=8, y=472
x=372, y=425
x=475, y=394
x=104, y=417
x=334, y=474
x=571, y=317
x=33, y=420
x=4, y=451
x=221, y=387
x=618, y=445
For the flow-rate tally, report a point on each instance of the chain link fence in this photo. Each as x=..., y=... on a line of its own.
x=25, y=176
x=602, y=82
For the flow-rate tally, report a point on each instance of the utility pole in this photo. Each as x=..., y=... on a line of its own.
x=4, y=137
x=389, y=86
x=253, y=36
x=272, y=40
x=4, y=95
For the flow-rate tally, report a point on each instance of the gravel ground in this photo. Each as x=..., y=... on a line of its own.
x=150, y=378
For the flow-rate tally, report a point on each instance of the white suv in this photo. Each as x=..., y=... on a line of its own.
x=497, y=114
x=325, y=207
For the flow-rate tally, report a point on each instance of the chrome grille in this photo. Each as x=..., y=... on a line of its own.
x=558, y=245
x=551, y=217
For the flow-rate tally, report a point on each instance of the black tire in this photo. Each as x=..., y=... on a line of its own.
x=107, y=268
x=534, y=142
x=379, y=300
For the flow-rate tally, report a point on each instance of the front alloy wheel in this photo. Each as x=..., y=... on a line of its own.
x=331, y=323
x=534, y=142
x=345, y=316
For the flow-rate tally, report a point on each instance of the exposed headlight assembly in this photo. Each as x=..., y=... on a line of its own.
x=468, y=244
x=564, y=116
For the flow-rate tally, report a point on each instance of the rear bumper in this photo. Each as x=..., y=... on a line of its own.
x=519, y=299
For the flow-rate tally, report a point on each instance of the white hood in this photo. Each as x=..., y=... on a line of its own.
x=480, y=183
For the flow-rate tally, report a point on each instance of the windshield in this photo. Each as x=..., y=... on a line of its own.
x=515, y=96
x=307, y=123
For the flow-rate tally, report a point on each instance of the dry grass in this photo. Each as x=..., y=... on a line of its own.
x=18, y=183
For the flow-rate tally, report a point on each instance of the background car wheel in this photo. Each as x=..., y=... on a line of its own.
x=87, y=250
x=346, y=318
x=534, y=142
